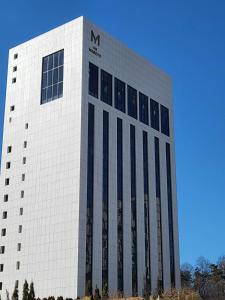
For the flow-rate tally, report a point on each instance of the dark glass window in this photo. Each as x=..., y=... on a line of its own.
x=9, y=149
x=15, y=56
x=90, y=198
x=133, y=210
x=4, y=215
x=170, y=214
x=105, y=198
x=93, y=80
x=120, y=204
x=52, y=77
x=119, y=90
x=2, y=249
x=106, y=87
x=3, y=233
x=159, y=215
x=132, y=101
x=6, y=198
x=143, y=109
x=146, y=214
x=154, y=108
x=165, y=127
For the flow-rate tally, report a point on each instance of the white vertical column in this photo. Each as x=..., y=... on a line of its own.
x=112, y=272
x=97, y=207
x=127, y=211
x=153, y=213
x=164, y=209
x=140, y=210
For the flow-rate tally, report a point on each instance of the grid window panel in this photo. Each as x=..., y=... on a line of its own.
x=143, y=108
x=165, y=127
x=93, y=80
x=132, y=102
x=52, y=77
x=106, y=87
x=154, y=108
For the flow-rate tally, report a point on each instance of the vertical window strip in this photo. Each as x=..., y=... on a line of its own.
x=90, y=198
x=146, y=215
x=159, y=215
x=170, y=215
x=105, y=196
x=120, y=204
x=133, y=211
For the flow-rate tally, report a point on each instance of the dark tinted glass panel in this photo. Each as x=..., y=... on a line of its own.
x=154, y=107
x=159, y=215
x=133, y=210
x=93, y=80
x=165, y=127
x=52, y=77
x=132, y=101
x=120, y=204
x=143, y=109
x=106, y=87
x=170, y=214
x=105, y=196
x=90, y=197
x=120, y=102
x=146, y=214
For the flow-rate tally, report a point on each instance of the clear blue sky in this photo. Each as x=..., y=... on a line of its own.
x=187, y=40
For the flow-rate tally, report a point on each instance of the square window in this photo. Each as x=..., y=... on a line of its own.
x=8, y=165
x=52, y=77
x=1, y=267
x=19, y=247
x=21, y=211
x=15, y=56
x=9, y=149
x=3, y=233
x=14, y=68
x=20, y=228
x=7, y=181
x=93, y=80
x=6, y=198
x=2, y=249
x=12, y=107
x=22, y=194
x=4, y=215
x=14, y=80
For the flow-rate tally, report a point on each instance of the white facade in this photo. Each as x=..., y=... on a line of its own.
x=53, y=209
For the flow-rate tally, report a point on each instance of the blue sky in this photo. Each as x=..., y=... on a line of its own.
x=187, y=40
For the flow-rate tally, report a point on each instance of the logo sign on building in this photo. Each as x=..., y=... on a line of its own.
x=95, y=38
x=95, y=41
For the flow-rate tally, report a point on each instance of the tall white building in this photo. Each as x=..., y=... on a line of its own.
x=88, y=187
